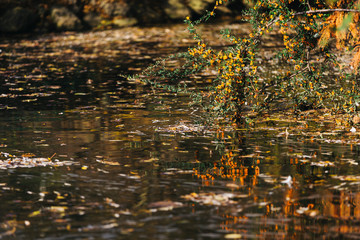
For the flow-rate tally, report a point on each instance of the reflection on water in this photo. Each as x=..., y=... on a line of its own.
x=314, y=205
x=141, y=168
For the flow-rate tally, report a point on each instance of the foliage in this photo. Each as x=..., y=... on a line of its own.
x=307, y=53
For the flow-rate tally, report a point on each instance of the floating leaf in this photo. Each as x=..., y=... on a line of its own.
x=35, y=213
x=211, y=198
x=233, y=236
x=164, y=205
x=57, y=209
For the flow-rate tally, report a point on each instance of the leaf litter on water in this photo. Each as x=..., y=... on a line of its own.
x=221, y=199
x=10, y=161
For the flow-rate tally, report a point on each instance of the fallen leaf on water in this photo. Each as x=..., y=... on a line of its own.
x=232, y=185
x=288, y=181
x=222, y=199
x=111, y=203
x=126, y=230
x=164, y=205
x=98, y=227
x=349, y=178
x=125, y=212
x=322, y=163
x=35, y=213
x=108, y=162
x=150, y=160
x=57, y=209
x=307, y=211
x=233, y=236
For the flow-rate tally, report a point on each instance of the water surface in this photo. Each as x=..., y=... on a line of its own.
x=137, y=165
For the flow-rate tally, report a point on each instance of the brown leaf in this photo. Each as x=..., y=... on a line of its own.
x=326, y=31
x=339, y=34
x=356, y=119
x=356, y=59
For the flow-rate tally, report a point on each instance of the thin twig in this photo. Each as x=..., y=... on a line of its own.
x=308, y=4
x=50, y=158
x=308, y=58
x=326, y=11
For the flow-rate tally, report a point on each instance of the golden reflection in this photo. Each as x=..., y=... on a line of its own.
x=233, y=221
x=229, y=167
x=341, y=204
x=285, y=210
x=290, y=203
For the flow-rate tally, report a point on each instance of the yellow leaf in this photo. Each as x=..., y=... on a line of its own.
x=34, y=214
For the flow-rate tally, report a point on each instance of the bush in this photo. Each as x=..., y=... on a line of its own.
x=313, y=34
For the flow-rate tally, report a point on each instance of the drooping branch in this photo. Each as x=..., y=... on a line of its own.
x=326, y=11
x=257, y=38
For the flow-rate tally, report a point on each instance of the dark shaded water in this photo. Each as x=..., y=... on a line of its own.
x=139, y=168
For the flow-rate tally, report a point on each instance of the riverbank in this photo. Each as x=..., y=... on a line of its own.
x=78, y=15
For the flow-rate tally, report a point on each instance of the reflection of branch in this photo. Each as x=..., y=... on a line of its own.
x=326, y=11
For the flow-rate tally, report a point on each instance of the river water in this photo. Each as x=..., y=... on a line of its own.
x=87, y=154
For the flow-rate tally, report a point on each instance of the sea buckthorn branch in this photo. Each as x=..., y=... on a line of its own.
x=301, y=67
x=242, y=85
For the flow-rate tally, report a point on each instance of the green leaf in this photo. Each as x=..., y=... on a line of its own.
x=346, y=22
